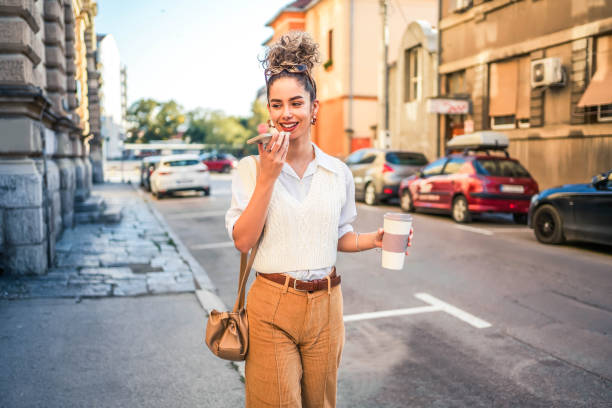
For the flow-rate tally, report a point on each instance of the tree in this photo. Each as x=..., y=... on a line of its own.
x=168, y=118
x=142, y=115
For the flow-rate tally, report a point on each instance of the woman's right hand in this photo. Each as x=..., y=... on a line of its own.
x=273, y=157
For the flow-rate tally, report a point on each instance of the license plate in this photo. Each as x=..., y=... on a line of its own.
x=508, y=188
x=185, y=181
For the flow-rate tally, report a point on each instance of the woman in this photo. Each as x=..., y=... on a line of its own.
x=305, y=199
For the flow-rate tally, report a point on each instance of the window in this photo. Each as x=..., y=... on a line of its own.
x=186, y=162
x=455, y=83
x=412, y=78
x=604, y=113
x=406, y=158
x=500, y=168
x=355, y=157
x=453, y=165
x=598, y=92
x=510, y=93
x=330, y=50
x=368, y=158
x=434, y=168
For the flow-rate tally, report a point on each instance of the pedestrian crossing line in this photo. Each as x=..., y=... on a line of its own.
x=197, y=214
x=391, y=313
x=453, y=311
x=474, y=229
x=435, y=305
x=213, y=245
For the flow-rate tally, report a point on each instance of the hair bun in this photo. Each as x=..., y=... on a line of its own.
x=292, y=48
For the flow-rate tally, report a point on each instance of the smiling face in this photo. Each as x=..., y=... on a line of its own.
x=290, y=107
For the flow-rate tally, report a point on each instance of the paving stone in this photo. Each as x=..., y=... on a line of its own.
x=112, y=273
x=130, y=287
x=91, y=289
x=77, y=260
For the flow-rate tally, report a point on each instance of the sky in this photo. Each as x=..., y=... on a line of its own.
x=201, y=53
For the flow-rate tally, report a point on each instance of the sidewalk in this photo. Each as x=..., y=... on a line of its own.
x=116, y=322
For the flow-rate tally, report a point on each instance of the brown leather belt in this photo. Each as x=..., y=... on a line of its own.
x=305, y=286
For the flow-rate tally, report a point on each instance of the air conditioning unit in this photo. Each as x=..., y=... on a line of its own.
x=547, y=72
x=460, y=6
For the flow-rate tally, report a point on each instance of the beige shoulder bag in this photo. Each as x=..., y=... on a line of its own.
x=227, y=333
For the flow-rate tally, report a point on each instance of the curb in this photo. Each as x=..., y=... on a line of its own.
x=205, y=289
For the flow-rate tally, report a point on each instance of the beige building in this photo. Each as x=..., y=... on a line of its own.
x=348, y=80
x=412, y=83
x=539, y=70
x=49, y=125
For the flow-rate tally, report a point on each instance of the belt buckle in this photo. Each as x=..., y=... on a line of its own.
x=299, y=290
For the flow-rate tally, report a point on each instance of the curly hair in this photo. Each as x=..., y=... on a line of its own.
x=293, y=50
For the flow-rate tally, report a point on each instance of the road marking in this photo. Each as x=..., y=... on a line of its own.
x=389, y=313
x=474, y=229
x=213, y=245
x=454, y=311
x=197, y=214
x=435, y=305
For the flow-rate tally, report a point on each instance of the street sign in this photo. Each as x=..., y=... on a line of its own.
x=448, y=106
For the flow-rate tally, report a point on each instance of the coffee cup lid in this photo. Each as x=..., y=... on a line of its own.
x=398, y=216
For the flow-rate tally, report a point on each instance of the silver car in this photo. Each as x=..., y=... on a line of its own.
x=378, y=172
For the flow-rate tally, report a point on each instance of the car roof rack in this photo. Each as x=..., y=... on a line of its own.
x=481, y=141
x=487, y=150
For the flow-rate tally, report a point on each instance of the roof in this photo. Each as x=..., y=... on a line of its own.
x=297, y=5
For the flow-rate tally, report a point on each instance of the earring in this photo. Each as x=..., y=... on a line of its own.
x=313, y=120
x=270, y=123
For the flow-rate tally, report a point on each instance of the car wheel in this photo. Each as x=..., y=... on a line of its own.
x=370, y=194
x=206, y=191
x=225, y=169
x=548, y=225
x=406, y=201
x=520, y=218
x=460, y=212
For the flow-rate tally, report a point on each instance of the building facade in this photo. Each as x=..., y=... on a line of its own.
x=412, y=83
x=538, y=70
x=48, y=127
x=112, y=115
x=350, y=36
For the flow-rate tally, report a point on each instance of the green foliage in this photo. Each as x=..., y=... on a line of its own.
x=153, y=120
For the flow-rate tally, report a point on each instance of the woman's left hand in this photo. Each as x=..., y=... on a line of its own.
x=379, y=238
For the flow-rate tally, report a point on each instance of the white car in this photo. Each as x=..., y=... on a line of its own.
x=180, y=172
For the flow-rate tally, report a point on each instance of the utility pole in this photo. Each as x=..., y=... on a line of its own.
x=383, y=131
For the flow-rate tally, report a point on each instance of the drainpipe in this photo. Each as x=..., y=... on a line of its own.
x=351, y=131
x=439, y=58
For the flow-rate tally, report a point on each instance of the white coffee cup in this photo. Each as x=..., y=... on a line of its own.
x=397, y=228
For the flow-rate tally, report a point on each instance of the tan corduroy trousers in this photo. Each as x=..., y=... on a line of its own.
x=295, y=343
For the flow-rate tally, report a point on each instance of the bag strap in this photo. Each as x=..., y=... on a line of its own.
x=245, y=267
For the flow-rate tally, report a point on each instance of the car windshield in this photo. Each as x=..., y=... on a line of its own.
x=500, y=168
x=406, y=158
x=185, y=162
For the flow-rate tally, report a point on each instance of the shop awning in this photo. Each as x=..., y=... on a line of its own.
x=599, y=91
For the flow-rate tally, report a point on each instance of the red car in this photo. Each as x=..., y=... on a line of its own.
x=220, y=162
x=469, y=183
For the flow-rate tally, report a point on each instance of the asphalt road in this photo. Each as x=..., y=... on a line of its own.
x=488, y=317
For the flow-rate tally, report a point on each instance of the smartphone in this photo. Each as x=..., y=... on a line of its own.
x=265, y=139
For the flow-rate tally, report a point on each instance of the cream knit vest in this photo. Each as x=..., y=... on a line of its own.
x=301, y=236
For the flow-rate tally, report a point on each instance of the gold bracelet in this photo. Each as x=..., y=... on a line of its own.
x=357, y=241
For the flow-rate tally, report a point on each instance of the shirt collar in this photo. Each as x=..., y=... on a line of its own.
x=324, y=160
x=321, y=159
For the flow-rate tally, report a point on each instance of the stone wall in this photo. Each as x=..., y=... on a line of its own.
x=44, y=165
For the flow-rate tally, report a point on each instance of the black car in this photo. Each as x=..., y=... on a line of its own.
x=581, y=212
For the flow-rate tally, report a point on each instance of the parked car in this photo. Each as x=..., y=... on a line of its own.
x=378, y=172
x=147, y=167
x=220, y=162
x=482, y=178
x=181, y=172
x=581, y=212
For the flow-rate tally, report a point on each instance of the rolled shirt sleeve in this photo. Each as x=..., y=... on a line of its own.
x=348, y=214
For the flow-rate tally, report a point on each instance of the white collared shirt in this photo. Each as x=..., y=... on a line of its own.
x=298, y=188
